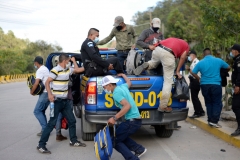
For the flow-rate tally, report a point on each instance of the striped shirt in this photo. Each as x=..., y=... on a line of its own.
x=60, y=82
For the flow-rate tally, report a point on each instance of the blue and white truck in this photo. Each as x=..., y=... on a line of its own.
x=95, y=107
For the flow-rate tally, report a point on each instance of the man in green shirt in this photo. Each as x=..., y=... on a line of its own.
x=125, y=37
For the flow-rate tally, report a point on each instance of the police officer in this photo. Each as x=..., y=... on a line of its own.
x=194, y=86
x=92, y=60
x=235, y=52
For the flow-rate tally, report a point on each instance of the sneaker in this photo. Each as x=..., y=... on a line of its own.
x=77, y=144
x=139, y=69
x=216, y=125
x=43, y=150
x=140, y=154
x=60, y=138
x=40, y=133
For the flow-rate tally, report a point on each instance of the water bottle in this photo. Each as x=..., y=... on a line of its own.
x=52, y=109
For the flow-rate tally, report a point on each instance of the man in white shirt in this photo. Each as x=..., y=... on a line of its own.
x=194, y=86
x=43, y=102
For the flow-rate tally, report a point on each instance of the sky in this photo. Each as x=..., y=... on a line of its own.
x=66, y=22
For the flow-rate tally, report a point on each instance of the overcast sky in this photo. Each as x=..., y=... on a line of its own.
x=66, y=22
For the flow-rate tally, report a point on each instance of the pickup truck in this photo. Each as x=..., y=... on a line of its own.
x=95, y=107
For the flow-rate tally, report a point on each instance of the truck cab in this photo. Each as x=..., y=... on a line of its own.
x=95, y=107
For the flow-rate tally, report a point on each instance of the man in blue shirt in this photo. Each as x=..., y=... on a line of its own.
x=132, y=123
x=210, y=82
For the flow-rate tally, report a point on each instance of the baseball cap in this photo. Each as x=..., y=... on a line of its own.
x=236, y=47
x=118, y=20
x=108, y=79
x=156, y=22
x=192, y=52
x=38, y=59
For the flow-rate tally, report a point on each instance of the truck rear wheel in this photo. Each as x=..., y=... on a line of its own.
x=162, y=132
x=87, y=136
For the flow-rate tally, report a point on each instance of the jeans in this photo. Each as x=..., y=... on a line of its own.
x=59, y=121
x=60, y=106
x=212, y=94
x=40, y=109
x=122, y=56
x=124, y=144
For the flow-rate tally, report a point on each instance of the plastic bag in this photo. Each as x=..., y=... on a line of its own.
x=181, y=89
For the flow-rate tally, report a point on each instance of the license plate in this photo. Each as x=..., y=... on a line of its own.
x=145, y=114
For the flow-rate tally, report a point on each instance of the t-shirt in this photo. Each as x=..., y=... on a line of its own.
x=122, y=92
x=209, y=67
x=178, y=46
x=60, y=76
x=42, y=74
x=193, y=64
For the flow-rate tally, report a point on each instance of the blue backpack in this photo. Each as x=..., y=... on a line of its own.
x=103, y=145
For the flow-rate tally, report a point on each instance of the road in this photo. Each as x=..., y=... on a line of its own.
x=18, y=140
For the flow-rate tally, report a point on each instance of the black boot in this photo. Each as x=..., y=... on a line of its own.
x=236, y=133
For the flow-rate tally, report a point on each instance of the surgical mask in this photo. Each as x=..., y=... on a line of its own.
x=119, y=28
x=231, y=55
x=96, y=40
x=189, y=59
x=35, y=67
x=155, y=29
x=108, y=92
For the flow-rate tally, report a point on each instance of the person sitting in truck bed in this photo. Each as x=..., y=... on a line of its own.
x=92, y=61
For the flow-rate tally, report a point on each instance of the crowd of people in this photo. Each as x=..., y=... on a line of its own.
x=204, y=75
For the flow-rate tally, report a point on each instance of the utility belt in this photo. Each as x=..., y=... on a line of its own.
x=93, y=65
x=167, y=49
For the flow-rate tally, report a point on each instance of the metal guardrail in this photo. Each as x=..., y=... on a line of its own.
x=14, y=78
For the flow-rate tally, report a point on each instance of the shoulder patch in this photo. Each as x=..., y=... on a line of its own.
x=90, y=44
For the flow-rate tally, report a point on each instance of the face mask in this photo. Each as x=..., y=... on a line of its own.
x=96, y=40
x=231, y=55
x=119, y=28
x=35, y=67
x=189, y=58
x=108, y=92
x=155, y=29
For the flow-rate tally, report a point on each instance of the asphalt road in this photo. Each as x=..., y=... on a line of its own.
x=18, y=140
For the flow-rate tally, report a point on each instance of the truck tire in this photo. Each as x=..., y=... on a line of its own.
x=162, y=132
x=77, y=111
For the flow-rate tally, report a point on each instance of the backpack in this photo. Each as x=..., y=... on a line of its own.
x=103, y=145
x=30, y=82
x=134, y=59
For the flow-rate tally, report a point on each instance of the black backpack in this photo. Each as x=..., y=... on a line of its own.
x=30, y=82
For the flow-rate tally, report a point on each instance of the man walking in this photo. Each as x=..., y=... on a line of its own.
x=165, y=53
x=43, y=102
x=125, y=37
x=93, y=63
x=210, y=82
x=123, y=99
x=235, y=52
x=194, y=86
x=146, y=40
x=59, y=76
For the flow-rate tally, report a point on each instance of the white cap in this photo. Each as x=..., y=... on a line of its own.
x=156, y=22
x=108, y=79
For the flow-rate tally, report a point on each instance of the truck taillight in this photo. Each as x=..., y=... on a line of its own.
x=91, y=93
